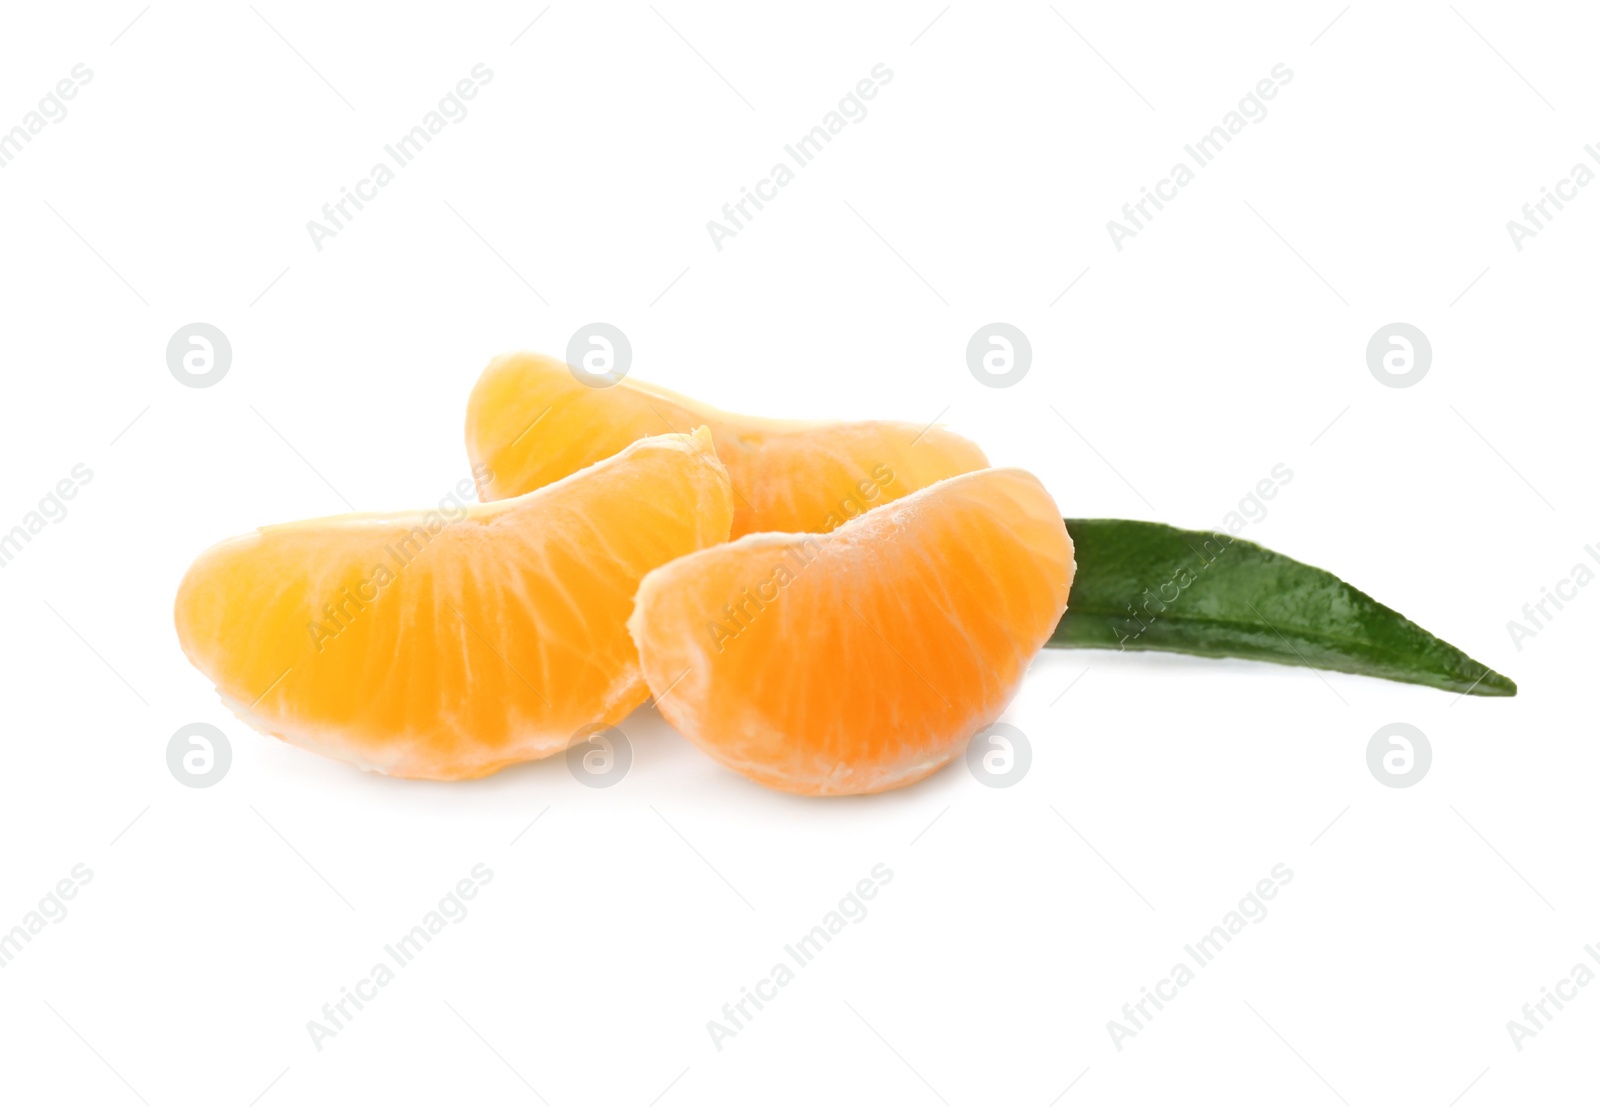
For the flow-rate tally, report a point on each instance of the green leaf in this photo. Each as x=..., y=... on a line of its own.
x=1146, y=586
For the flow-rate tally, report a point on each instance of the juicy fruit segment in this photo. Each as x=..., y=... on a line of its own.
x=422, y=645
x=531, y=422
x=863, y=659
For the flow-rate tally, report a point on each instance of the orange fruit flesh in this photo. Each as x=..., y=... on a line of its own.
x=531, y=422
x=424, y=646
x=866, y=658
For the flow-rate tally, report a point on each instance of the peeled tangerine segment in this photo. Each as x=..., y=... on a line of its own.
x=866, y=658
x=532, y=422
x=424, y=646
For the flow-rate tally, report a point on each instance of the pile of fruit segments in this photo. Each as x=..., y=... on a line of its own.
x=827, y=608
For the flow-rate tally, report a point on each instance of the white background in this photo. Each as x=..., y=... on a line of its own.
x=1227, y=337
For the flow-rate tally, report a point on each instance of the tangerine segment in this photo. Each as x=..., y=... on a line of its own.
x=863, y=659
x=532, y=422
x=422, y=645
